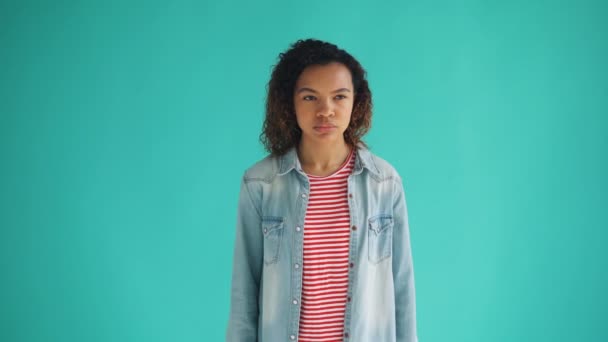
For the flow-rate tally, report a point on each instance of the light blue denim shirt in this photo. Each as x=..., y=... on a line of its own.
x=267, y=280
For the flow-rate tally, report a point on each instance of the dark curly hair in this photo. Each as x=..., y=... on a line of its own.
x=280, y=130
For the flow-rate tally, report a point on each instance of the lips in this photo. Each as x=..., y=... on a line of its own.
x=325, y=128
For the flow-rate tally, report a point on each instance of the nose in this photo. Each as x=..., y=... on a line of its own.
x=325, y=109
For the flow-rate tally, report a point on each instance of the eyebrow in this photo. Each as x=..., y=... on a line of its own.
x=314, y=91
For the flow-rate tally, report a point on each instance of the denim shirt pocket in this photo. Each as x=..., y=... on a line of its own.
x=380, y=234
x=272, y=228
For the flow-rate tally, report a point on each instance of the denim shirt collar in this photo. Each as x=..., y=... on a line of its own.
x=290, y=161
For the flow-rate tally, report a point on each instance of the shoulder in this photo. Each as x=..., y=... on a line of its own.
x=263, y=170
x=386, y=171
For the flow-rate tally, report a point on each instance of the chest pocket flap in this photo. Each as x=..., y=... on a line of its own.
x=272, y=228
x=380, y=237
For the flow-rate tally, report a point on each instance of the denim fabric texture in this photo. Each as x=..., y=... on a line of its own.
x=266, y=283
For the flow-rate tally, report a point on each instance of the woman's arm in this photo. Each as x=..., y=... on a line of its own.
x=246, y=271
x=403, y=270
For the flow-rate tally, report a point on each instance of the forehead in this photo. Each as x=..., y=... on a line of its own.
x=331, y=76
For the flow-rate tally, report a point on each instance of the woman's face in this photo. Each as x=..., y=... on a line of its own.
x=323, y=100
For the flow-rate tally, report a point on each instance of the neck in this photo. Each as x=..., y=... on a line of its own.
x=321, y=158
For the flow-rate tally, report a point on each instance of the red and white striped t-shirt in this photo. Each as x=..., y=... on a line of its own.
x=325, y=271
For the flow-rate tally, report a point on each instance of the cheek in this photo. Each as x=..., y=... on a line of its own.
x=347, y=105
x=303, y=111
x=298, y=110
x=347, y=110
x=301, y=115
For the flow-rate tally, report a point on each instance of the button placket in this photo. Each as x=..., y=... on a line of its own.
x=351, y=263
x=297, y=260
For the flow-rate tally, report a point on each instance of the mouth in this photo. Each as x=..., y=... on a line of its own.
x=324, y=128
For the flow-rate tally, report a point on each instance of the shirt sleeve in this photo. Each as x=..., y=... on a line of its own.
x=403, y=270
x=246, y=270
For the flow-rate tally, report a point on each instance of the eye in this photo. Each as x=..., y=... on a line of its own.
x=340, y=97
x=308, y=98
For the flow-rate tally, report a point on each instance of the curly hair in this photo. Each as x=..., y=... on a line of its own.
x=280, y=129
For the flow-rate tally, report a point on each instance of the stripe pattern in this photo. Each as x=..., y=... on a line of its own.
x=326, y=247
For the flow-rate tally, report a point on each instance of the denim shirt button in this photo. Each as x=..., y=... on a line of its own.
x=298, y=228
x=296, y=265
x=354, y=227
x=346, y=335
x=303, y=195
x=352, y=265
x=293, y=337
x=295, y=302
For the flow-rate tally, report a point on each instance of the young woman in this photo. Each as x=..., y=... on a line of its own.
x=322, y=250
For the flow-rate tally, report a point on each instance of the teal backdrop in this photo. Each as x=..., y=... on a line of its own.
x=125, y=128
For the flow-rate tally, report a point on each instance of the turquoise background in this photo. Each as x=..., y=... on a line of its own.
x=125, y=128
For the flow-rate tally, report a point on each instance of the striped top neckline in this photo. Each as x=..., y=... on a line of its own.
x=340, y=169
